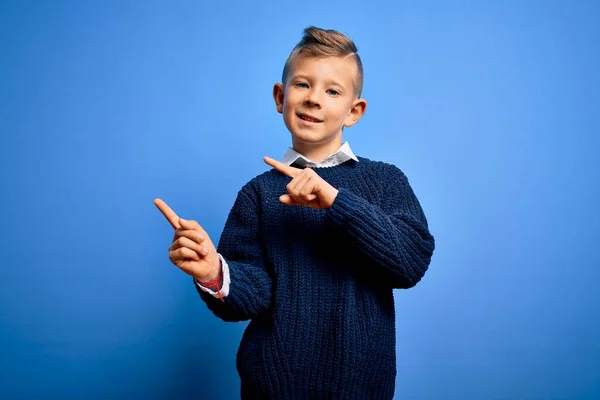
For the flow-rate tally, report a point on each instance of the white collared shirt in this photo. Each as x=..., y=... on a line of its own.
x=343, y=154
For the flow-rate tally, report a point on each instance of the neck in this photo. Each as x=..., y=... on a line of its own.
x=317, y=152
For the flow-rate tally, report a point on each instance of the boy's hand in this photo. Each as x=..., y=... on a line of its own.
x=192, y=250
x=306, y=188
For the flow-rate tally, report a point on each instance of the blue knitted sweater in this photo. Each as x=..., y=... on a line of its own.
x=317, y=285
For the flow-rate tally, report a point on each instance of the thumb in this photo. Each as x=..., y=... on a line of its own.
x=287, y=199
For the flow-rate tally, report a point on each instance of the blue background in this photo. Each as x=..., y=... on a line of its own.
x=490, y=108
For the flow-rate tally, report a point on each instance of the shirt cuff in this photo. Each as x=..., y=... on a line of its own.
x=226, y=281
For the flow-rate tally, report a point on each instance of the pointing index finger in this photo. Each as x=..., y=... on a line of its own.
x=168, y=213
x=281, y=167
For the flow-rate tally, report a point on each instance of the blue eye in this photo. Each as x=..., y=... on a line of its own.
x=333, y=92
x=301, y=85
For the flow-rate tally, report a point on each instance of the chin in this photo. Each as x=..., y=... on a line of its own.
x=308, y=137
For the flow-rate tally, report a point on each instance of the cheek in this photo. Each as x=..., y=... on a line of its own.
x=289, y=110
x=289, y=103
x=341, y=112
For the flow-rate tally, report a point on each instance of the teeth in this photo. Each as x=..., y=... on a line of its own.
x=304, y=117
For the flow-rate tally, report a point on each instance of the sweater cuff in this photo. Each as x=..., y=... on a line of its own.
x=343, y=207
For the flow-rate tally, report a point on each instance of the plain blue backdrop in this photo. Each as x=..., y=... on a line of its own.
x=490, y=108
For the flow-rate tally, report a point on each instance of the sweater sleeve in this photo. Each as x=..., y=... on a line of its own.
x=250, y=285
x=395, y=235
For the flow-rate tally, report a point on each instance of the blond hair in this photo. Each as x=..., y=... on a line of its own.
x=318, y=42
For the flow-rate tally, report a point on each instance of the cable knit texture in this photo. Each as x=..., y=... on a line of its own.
x=317, y=285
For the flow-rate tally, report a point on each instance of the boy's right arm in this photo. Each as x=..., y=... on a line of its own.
x=250, y=287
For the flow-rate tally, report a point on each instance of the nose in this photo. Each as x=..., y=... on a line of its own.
x=312, y=99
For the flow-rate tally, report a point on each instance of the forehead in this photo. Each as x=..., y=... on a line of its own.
x=340, y=69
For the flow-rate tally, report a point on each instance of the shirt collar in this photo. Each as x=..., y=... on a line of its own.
x=343, y=154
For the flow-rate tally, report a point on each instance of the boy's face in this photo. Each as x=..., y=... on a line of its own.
x=318, y=99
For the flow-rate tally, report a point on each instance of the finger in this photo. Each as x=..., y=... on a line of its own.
x=296, y=184
x=284, y=169
x=308, y=192
x=190, y=224
x=186, y=265
x=167, y=212
x=190, y=234
x=183, y=254
x=287, y=199
x=190, y=244
x=301, y=188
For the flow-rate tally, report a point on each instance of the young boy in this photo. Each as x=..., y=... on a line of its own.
x=312, y=248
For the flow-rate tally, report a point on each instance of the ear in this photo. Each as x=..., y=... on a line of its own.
x=356, y=112
x=278, y=91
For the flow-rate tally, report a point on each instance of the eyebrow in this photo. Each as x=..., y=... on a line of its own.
x=307, y=77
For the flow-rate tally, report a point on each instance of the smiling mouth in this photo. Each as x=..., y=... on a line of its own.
x=308, y=118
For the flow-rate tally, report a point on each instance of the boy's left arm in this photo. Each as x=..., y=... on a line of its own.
x=394, y=235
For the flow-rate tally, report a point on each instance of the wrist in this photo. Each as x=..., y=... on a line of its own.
x=213, y=278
